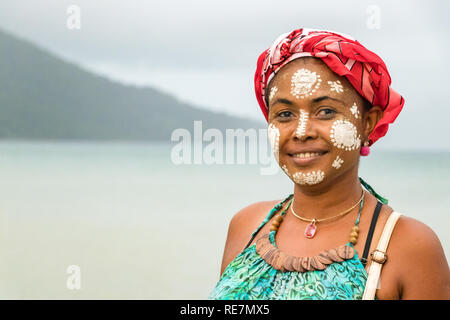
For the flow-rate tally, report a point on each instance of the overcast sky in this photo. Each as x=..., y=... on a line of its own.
x=205, y=52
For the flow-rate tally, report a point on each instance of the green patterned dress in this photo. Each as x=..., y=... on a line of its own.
x=249, y=277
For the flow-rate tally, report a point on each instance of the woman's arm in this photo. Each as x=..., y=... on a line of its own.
x=424, y=272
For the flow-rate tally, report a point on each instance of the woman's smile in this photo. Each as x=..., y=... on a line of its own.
x=306, y=158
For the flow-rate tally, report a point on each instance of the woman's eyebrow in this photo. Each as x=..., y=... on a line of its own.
x=282, y=100
x=315, y=100
x=319, y=99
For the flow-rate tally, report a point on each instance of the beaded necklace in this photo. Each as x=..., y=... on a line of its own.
x=268, y=250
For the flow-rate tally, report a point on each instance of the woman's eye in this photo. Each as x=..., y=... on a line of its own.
x=284, y=114
x=326, y=112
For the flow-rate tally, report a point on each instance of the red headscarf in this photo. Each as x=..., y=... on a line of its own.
x=346, y=57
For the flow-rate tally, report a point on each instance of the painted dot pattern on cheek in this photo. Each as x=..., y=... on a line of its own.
x=344, y=135
x=354, y=110
x=274, y=138
x=309, y=178
x=303, y=121
x=304, y=82
x=336, y=86
x=337, y=162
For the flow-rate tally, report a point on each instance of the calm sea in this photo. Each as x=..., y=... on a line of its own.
x=137, y=226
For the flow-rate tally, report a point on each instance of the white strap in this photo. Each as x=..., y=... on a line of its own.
x=379, y=257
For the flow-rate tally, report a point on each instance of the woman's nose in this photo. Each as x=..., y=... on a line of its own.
x=305, y=127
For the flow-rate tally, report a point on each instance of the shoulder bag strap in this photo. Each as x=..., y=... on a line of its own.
x=379, y=257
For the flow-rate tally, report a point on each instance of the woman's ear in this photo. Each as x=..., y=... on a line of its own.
x=371, y=117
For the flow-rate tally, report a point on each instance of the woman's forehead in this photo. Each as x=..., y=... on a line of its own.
x=310, y=78
x=284, y=75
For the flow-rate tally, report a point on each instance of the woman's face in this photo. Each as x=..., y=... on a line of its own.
x=316, y=125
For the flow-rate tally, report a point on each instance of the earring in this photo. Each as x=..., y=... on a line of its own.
x=365, y=150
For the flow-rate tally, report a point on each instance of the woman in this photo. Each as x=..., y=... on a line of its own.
x=327, y=99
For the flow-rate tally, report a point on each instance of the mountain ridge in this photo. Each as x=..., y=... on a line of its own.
x=45, y=97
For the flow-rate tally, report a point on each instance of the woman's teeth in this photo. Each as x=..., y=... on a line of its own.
x=306, y=155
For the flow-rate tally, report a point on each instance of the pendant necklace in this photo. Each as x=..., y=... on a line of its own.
x=311, y=228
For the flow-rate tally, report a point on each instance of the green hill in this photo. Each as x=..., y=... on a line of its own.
x=45, y=97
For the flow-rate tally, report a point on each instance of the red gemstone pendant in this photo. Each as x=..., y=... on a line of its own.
x=310, y=230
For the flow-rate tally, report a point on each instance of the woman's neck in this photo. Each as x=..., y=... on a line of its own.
x=328, y=200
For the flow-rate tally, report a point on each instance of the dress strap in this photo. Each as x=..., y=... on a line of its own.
x=268, y=217
x=373, y=192
x=375, y=215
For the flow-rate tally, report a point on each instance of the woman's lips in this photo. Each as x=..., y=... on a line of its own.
x=306, y=158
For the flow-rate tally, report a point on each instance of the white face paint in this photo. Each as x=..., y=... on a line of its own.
x=273, y=90
x=285, y=169
x=354, y=110
x=303, y=121
x=336, y=86
x=274, y=138
x=337, y=163
x=344, y=135
x=304, y=82
x=310, y=178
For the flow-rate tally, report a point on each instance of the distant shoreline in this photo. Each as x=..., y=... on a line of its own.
x=170, y=143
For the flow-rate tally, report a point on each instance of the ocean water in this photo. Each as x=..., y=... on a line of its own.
x=137, y=226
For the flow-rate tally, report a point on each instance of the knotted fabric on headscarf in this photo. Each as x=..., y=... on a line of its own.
x=346, y=57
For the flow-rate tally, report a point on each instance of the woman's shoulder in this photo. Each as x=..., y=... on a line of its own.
x=416, y=240
x=418, y=260
x=246, y=220
x=241, y=227
x=410, y=236
x=415, y=257
x=254, y=212
x=408, y=228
